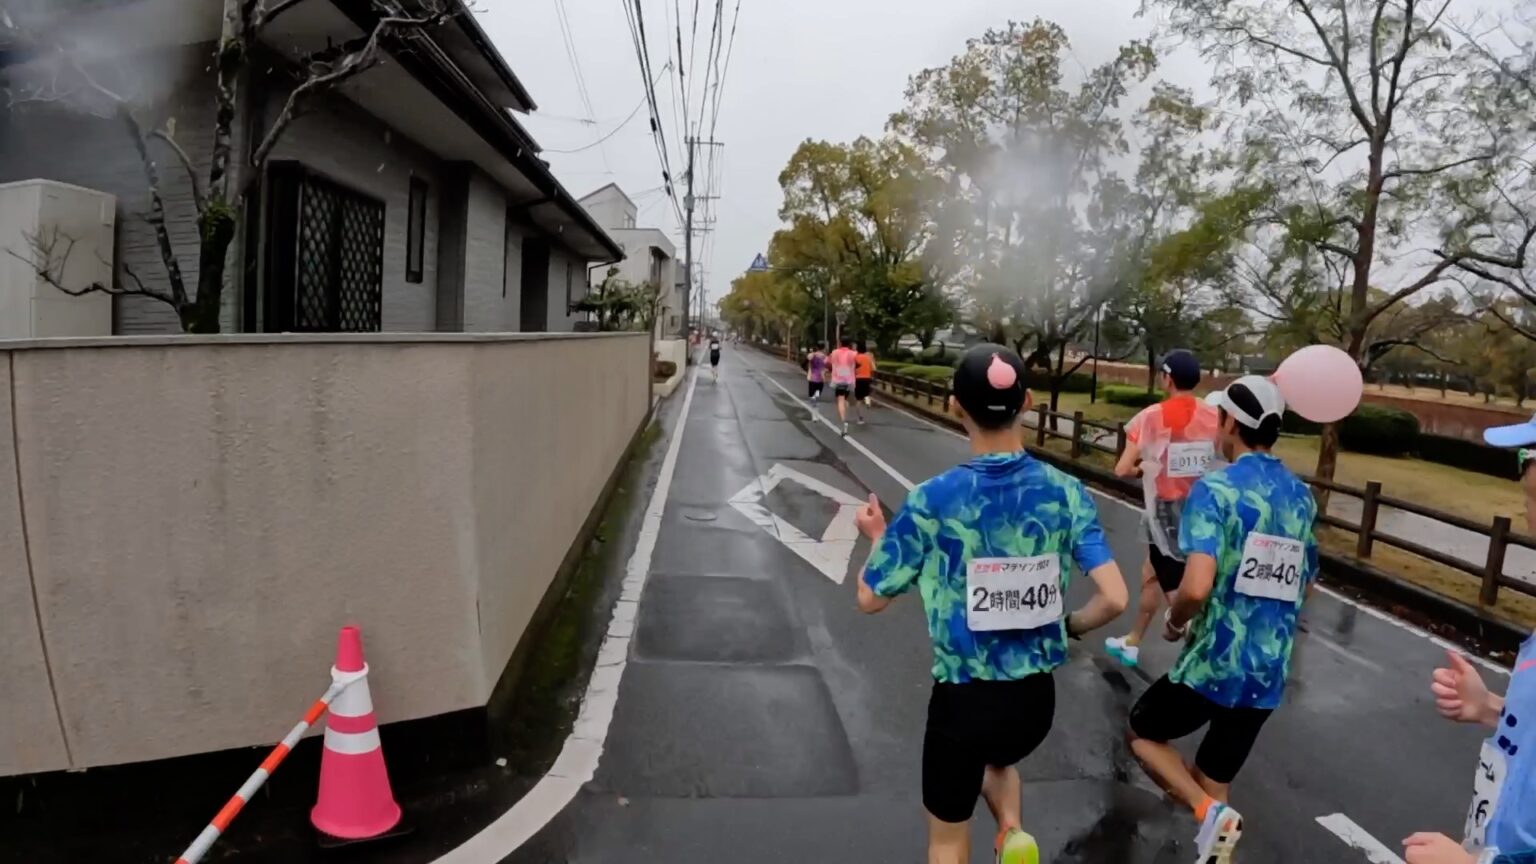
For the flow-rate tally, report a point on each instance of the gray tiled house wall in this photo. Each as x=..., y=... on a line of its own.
x=563, y=266
x=347, y=145
x=490, y=292
x=75, y=143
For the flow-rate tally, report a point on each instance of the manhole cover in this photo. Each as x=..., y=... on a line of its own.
x=699, y=515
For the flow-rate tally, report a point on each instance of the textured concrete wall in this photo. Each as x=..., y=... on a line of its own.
x=202, y=515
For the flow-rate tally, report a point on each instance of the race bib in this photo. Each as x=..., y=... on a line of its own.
x=1013, y=593
x=1271, y=567
x=1485, y=794
x=1186, y=459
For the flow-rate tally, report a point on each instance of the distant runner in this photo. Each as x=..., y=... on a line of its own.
x=1252, y=556
x=815, y=372
x=844, y=363
x=1501, y=820
x=1170, y=445
x=714, y=356
x=864, y=383
x=990, y=545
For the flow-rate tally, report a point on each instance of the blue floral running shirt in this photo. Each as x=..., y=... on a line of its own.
x=989, y=545
x=1255, y=518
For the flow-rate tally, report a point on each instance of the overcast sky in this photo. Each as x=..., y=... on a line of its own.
x=826, y=69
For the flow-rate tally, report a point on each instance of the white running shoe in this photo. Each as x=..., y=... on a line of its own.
x=1218, y=835
x=1118, y=649
x=845, y=429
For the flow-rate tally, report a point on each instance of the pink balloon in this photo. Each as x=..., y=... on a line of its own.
x=1321, y=383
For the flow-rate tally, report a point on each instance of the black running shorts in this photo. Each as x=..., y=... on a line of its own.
x=1170, y=571
x=976, y=724
x=862, y=387
x=813, y=388
x=714, y=358
x=841, y=389
x=1168, y=711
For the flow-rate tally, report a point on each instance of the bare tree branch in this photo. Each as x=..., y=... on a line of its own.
x=1437, y=169
x=198, y=195
x=356, y=57
x=48, y=262
x=263, y=15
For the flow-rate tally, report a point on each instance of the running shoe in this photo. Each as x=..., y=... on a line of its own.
x=845, y=429
x=1016, y=847
x=1128, y=655
x=1218, y=835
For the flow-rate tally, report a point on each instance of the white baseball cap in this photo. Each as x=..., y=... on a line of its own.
x=1250, y=399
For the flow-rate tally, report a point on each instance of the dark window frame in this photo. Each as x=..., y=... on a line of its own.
x=416, y=232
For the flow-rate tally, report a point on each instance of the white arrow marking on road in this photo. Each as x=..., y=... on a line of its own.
x=831, y=553
x=1356, y=837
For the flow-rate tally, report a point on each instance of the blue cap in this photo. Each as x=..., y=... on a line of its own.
x=1516, y=435
x=1182, y=367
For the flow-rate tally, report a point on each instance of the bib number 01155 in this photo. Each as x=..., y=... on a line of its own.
x=1013, y=593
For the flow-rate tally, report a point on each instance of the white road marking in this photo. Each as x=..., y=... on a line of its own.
x=816, y=415
x=1314, y=636
x=1356, y=837
x=831, y=553
x=584, y=746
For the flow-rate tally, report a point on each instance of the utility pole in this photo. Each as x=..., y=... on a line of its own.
x=691, y=200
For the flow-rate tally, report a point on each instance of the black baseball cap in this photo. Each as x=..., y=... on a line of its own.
x=989, y=384
x=1183, y=367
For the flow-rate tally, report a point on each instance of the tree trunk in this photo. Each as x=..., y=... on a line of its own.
x=217, y=231
x=1151, y=369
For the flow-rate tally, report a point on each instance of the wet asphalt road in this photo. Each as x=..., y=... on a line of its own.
x=762, y=718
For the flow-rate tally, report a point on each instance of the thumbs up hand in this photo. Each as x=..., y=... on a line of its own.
x=1460, y=693
x=870, y=518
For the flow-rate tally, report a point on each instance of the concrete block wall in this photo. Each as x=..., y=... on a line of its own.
x=202, y=514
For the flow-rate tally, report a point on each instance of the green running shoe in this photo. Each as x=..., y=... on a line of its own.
x=1017, y=847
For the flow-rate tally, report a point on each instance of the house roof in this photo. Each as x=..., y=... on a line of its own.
x=604, y=188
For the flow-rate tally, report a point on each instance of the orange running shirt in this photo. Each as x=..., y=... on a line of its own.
x=1180, y=419
x=865, y=365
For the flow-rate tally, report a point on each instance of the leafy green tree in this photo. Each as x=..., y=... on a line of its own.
x=1359, y=115
x=858, y=232
x=1024, y=167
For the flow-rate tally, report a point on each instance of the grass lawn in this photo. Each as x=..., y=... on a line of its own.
x=1464, y=493
x=1100, y=411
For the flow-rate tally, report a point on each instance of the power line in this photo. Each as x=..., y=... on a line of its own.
x=636, y=18
x=611, y=133
x=581, y=80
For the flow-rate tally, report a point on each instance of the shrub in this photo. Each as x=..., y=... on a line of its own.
x=1135, y=397
x=1077, y=382
x=930, y=373
x=1380, y=430
x=665, y=369
x=1468, y=455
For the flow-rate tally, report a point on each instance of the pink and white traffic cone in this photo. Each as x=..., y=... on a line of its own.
x=355, y=801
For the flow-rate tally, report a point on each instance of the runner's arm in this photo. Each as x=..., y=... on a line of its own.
x=1200, y=538
x=1130, y=458
x=1199, y=577
x=1105, y=605
x=897, y=553
x=1091, y=552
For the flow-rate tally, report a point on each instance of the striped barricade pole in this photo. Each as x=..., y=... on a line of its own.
x=227, y=814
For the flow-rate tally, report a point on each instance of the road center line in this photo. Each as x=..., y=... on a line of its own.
x=584, y=746
x=1356, y=837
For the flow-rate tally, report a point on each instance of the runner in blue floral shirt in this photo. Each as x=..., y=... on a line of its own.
x=1251, y=555
x=990, y=547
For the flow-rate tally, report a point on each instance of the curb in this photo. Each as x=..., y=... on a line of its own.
x=1445, y=616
